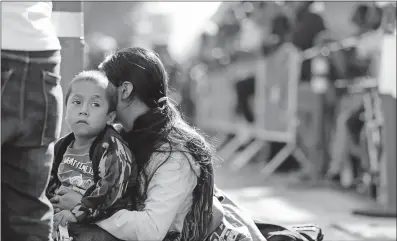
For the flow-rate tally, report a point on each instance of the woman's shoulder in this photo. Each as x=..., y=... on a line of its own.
x=170, y=158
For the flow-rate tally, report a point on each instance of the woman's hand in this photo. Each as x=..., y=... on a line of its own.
x=65, y=199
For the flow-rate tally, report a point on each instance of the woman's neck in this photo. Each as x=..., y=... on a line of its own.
x=136, y=110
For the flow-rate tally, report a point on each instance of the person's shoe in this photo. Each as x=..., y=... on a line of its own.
x=332, y=180
x=334, y=177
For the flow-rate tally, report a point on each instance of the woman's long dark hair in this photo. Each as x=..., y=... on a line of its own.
x=163, y=126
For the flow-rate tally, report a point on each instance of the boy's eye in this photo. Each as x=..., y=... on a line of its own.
x=76, y=102
x=96, y=104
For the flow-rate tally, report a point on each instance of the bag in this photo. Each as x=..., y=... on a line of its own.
x=273, y=232
x=259, y=230
x=230, y=229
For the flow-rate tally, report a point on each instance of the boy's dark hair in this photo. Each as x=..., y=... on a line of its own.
x=99, y=78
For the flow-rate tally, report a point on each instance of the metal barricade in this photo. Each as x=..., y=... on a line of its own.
x=275, y=108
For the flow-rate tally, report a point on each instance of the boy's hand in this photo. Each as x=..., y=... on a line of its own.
x=63, y=218
x=65, y=199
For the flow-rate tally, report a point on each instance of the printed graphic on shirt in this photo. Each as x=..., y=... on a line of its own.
x=76, y=170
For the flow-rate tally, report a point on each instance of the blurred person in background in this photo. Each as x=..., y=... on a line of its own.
x=361, y=61
x=308, y=24
x=245, y=88
x=280, y=34
x=31, y=113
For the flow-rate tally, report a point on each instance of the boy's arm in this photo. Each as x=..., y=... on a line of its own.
x=116, y=167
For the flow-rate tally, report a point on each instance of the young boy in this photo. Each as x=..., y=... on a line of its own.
x=93, y=160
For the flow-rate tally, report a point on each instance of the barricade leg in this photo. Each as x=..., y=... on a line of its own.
x=247, y=154
x=274, y=163
x=389, y=142
x=233, y=145
x=300, y=156
x=220, y=140
x=387, y=205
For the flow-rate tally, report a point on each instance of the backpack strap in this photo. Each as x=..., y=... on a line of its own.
x=59, y=150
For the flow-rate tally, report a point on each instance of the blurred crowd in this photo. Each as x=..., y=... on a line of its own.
x=246, y=29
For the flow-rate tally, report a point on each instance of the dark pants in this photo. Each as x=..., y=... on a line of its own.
x=89, y=232
x=245, y=89
x=31, y=111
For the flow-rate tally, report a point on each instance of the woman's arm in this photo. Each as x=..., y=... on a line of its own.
x=116, y=167
x=172, y=183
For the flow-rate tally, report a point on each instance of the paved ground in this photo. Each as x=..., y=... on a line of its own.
x=282, y=199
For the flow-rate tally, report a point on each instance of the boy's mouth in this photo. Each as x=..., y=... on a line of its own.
x=81, y=122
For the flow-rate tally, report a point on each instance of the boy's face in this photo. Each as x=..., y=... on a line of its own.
x=87, y=109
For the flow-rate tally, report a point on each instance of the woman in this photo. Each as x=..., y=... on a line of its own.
x=174, y=161
x=175, y=193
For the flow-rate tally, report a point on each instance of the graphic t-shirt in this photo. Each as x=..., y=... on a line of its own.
x=75, y=170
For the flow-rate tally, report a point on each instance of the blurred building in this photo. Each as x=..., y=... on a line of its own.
x=107, y=26
x=152, y=26
x=113, y=19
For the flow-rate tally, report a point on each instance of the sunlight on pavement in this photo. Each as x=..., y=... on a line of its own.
x=261, y=205
x=298, y=206
x=370, y=231
x=254, y=192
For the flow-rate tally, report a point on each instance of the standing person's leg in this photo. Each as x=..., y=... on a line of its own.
x=31, y=111
x=343, y=138
x=245, y=89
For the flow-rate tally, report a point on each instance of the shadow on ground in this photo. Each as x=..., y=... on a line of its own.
x=282, y=199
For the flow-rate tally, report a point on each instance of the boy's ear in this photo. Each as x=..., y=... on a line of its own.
x=111, y=117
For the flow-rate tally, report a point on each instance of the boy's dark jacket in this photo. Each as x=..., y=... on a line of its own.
x=105, y=141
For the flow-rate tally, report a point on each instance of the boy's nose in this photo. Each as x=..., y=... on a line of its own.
x=84, y=113
x=84, y=110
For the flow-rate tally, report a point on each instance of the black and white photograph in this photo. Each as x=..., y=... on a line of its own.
x=198, y=121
